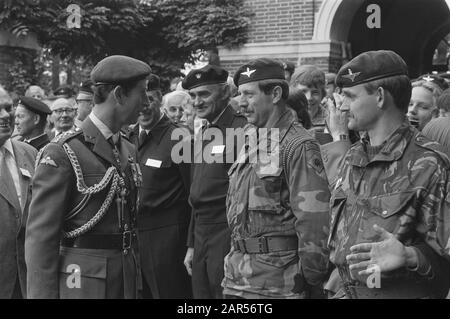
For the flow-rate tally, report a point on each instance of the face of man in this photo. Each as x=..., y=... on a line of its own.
x=134, y=103
x=84, y=106
x=361, y=106
x=209, y=100
x=63, y=117
x=150, y=113
x=6, y=121
x=421, y=106
x=257, y=107
x=313, y=95
x=26, y=121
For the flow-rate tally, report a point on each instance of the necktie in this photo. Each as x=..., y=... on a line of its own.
x=142, y=138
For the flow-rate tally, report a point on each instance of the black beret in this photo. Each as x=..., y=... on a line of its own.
x=371, y=66
x=209, y=74
x=86, y=87
x=153, y=83
x=117, y=69
x=34, y=105
x=436, y=79
x=258, y=70
x=289, y=66
x=64, y=91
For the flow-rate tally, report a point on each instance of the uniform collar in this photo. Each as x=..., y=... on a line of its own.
x=225, y=118
x=393, y=148
x=36, y=138
x=105, y=130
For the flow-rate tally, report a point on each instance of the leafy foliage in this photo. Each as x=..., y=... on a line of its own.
x=165, y=33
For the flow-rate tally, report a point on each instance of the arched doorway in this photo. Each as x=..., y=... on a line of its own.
x=412, y=28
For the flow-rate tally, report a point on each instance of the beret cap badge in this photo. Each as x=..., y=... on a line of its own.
x=351, y=75
x=248, y=73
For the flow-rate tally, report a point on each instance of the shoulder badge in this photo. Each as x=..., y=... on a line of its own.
x=48, y=161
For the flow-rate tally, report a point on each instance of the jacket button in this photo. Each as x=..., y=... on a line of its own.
x=384, y=213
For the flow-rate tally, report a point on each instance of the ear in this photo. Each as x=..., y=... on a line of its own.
x=381, y=97
x=36, y=119
x=277, y=94
x=119, y=94
x=435, y=113
x=226, y=93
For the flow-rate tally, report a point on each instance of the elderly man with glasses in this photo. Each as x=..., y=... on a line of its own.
x=62, y=117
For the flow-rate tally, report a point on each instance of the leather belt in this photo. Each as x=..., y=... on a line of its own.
x=122, y=241
x=264, y=245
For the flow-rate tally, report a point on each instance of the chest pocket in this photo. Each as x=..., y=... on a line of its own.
x=154, y=171
x=389, y=211
x=265, y=189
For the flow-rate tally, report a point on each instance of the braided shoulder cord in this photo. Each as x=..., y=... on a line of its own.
x=117, y=183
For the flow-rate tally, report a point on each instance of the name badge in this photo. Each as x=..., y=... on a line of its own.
x=153, y=163
x=25, y=172
x=218, y=149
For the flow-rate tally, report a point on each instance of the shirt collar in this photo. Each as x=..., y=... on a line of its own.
x=106, y=132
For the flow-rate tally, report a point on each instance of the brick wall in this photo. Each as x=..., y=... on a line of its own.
x=282, y=20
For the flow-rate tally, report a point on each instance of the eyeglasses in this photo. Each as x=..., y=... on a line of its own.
x=62, y=111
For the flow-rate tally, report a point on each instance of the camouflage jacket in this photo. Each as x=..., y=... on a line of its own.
x=404, y=189
x=278, y=200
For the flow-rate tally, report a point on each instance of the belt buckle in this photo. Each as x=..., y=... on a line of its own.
x=263, y=245
x=127, y=238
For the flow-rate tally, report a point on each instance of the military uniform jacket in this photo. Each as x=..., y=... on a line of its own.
x=289, y=199
x=57, y=207
x=210, y=180
x=39, y=141
x=13, y=221
x=404, y=189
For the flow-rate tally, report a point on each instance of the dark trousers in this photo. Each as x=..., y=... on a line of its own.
x=162, y=254
x=211, y=245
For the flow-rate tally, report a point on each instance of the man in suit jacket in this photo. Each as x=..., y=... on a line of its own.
x=164, y=212
x=16, y=170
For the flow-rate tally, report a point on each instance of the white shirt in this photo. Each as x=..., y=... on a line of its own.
x=7, y=151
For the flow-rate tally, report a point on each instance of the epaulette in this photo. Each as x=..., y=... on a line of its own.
x=423, y=141
x=66, y=136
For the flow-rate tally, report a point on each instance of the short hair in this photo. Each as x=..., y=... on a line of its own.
x=399, y=86
x=298, y=102
x=267, y=86
x=181, y=95
x=101, y=91
x=34, y=88
x=309, y=75
x=429, y=86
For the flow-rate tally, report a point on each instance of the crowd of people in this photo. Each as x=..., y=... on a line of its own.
x=94, y=205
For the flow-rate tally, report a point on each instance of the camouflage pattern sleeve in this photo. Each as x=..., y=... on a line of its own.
x=309, y=198
x=333, y=155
